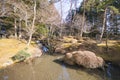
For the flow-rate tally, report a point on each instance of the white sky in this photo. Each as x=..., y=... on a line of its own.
x=66, y=6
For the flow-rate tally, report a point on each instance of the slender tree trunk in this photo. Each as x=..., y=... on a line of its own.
x=15, y=24
x=20, y=34
x=61, y=19
x=75, y=4
x=107, y=32
x=26, y=19
x=106, y=40
x=15, y=28
x=104, y=23
x=71, y=18
x=33, y=25
x=116, y=28
x=83, y=21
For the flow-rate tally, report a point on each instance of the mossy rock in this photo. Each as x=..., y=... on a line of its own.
x=20, y=56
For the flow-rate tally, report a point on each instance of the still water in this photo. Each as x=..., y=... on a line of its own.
x=48, y=68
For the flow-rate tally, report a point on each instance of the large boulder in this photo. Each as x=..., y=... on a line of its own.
x=85, y=58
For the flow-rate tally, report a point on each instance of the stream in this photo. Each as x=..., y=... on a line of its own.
x=47, y=67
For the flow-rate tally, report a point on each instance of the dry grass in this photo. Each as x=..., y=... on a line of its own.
x=110, y=43
x=8, y=48
x=113, y=53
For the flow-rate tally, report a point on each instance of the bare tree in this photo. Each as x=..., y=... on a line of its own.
x=61, y=18
x=104, y=24
x=77, y=23
x=83, y=20
x=71, y=17
x=33, y=24
x=20, y=28
x=15, y=24
x=27, y=13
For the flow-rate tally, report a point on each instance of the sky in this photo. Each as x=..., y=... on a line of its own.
x=66, y=6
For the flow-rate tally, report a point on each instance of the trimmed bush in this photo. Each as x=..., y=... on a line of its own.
x=20, y=56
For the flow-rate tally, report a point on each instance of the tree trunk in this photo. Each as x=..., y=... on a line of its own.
x=33, y=25
x=116, y=28
x=106, y=41
x=15, y=24
x=83, y=21
x=20, y=34
x=26, y=19
x=71, y=18
x=104, y=23
x=15, y=28
x=61, y=18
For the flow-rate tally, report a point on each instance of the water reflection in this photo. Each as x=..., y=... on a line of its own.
x=5, y=77
x=45, y=68
x=64, y=75
x=108, y=70
x=112, y=72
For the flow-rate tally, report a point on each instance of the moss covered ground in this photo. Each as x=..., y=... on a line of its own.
x=111, y=54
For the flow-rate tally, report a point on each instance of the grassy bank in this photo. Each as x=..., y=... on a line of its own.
x=9, y=48
x=111, y=54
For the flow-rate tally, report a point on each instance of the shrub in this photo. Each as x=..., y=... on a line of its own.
x=42, y=29
x=20, y=56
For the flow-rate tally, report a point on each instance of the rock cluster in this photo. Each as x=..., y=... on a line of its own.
x=86, y=59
